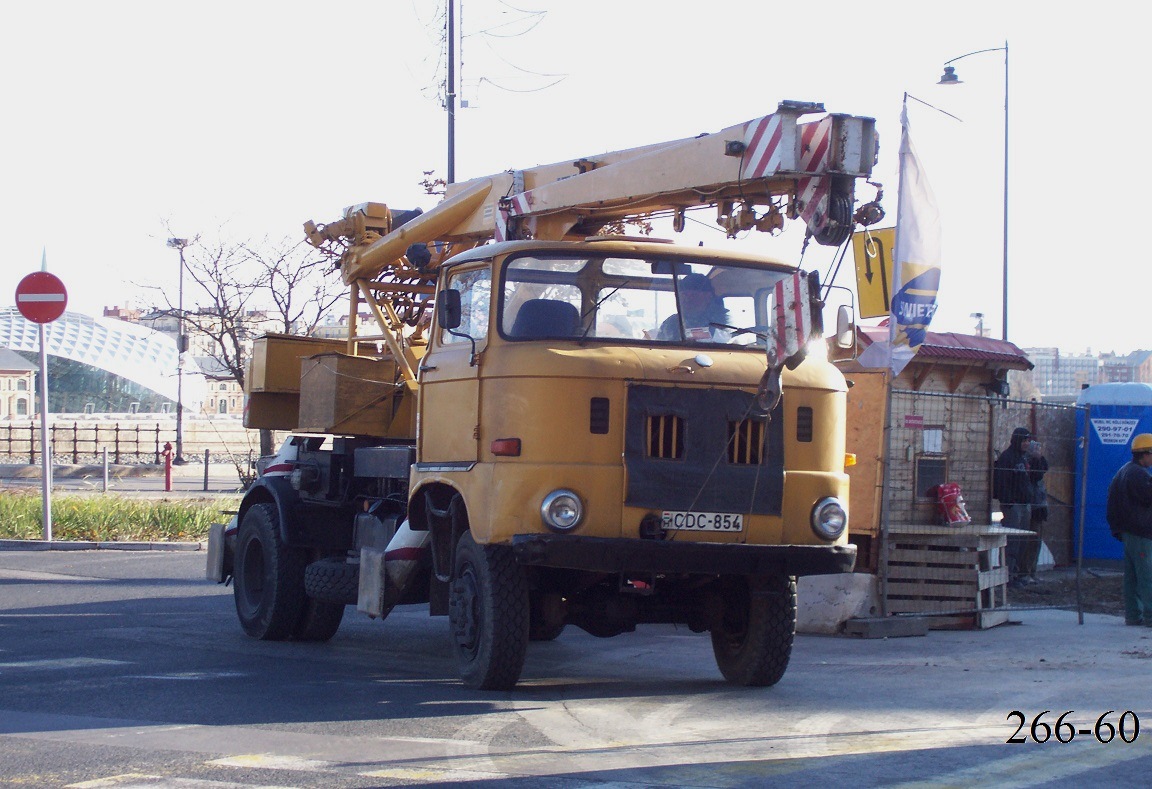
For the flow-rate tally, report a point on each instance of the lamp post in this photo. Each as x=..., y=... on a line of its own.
x=979, y=316
x=179, y=244
x=450, y=91
x=950, y=78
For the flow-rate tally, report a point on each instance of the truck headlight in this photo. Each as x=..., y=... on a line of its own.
x=561, y=510
x=829, y=518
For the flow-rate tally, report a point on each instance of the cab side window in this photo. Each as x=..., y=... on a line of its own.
x=475, y=288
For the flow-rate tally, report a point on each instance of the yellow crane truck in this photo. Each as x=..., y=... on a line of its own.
x=552, y=425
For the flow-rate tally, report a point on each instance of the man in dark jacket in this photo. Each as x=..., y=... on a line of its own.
x=1130, y=520
x=1016, y=479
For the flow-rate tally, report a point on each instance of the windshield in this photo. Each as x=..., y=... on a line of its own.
x=637, y=298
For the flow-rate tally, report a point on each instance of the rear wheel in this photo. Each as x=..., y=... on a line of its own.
x=268, y=577
x=333, y=579
x=488, y=612
x=319, y=620
x=268, y=584
x=752, y=639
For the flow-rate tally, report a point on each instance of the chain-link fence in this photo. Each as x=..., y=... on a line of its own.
x=940, y=458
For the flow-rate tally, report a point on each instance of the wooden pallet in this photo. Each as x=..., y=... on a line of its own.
x=957, y=576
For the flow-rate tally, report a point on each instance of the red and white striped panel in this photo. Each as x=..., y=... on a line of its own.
x=815, y=144
x=793, y=316
x=763, y=151
x=522, y=203
x=501, y=232
x=518, y=205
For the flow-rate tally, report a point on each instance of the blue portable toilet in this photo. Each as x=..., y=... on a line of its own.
x=1116, y=413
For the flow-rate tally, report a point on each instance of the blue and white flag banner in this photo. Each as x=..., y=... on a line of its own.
x=916, y=263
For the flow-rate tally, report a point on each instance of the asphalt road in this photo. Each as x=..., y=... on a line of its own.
x=126, y=669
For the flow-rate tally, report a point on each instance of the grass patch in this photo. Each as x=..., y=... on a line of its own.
x=111, y=518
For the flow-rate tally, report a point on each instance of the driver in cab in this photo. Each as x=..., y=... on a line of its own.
x=700, y=309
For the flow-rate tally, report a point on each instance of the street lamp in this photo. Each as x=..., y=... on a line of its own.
x=181, y=346
x=950, y=78
x=979, y=316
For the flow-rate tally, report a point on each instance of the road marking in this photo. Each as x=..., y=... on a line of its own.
x=9, y=574
x=432, y=775
x=141, y=781
x=1030, y=769
x=191, y=676
x=61, y=663
x=273, y=761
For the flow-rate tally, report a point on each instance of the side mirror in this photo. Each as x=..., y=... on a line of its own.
x=448, y=311
x=845, y=329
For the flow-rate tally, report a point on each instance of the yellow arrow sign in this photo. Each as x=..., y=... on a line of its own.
x=872, y=250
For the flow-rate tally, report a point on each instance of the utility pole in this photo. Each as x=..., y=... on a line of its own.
x=450, y=91
x=181, y=347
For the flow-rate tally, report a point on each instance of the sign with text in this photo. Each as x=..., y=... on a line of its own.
x=1115, y=431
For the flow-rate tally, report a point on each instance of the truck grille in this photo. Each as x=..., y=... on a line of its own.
x=666, y=437
x=746, y=442
x=705, y=449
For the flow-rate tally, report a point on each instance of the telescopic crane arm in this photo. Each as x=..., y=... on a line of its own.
x=756, y=174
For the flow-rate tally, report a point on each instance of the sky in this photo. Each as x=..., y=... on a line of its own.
x=130, y=122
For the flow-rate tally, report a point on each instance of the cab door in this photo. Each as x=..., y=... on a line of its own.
x=449, y=375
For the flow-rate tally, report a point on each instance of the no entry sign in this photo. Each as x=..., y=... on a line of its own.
x=41, y=297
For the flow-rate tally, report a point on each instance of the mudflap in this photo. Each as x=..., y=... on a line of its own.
x=217, y=548
x=373, y=584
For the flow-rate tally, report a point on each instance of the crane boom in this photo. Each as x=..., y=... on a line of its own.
x=755, y=174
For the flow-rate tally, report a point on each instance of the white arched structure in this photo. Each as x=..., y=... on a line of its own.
x=128, y=350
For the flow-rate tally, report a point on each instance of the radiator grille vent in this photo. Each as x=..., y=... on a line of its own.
x=598, y=415
x=666, y=437
x=804, y=424
x=746, y=442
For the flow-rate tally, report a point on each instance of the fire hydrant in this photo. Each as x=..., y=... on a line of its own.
x=167, y=453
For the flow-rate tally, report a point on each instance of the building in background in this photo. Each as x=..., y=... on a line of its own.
x=336, y=328
x=101, y=365
x=223, y=394
x=1059, y=375
x=17, y=386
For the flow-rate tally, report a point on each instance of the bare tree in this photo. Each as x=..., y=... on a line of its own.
x=303, y=290
x=243, y=289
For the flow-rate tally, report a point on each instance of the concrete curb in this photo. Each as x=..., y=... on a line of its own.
x=70, y=545
x=24, y=471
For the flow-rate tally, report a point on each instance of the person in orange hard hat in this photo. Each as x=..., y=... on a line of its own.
x=1129, y=516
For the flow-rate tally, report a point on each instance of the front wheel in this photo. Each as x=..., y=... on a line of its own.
x=488, y=613
x=752, y=639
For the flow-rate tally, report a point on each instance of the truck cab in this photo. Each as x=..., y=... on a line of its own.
x=579, y=406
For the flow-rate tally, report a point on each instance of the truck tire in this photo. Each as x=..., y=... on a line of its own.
x=752, y=640
x=268, y=577
x=319, y=620
x=333, y=580
x=488, y=613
